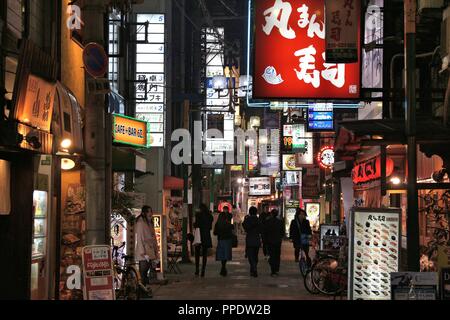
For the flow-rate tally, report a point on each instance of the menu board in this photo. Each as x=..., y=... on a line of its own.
x=374, y=247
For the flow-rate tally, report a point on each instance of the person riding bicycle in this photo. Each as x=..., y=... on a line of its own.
x=147, y=250
x=300, y=233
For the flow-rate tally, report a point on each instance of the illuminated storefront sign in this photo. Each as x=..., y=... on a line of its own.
x=260, y=187
x=321, y=117
x=325, y=157
x=290, y=54
x=289, y=163
x=131, y=131
x=150, y=67
x=371, y=170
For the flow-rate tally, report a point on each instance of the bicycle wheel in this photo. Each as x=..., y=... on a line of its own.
x=308, y=282
x=130, y=285
x=324, y=274
x=303, y=265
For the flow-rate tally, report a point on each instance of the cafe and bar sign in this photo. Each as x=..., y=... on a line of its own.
x=131, y=131
x=370, y=170
x=289, y=55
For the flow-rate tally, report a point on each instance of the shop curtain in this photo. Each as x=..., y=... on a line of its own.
x=5, y=187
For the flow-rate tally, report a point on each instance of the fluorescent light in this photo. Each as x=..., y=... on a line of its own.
x=395, y=180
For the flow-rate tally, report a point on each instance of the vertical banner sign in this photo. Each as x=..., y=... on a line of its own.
x=150, y=67
x=289, y=46
x=342, y=30
x=98, y=273
x=374, y=253
x=157, y=223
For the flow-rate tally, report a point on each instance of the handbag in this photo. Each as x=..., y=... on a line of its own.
x=197, y=237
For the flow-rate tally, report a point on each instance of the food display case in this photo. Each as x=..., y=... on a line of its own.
x=374, y=252
x=39, y=225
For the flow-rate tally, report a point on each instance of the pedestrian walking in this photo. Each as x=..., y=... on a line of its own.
x=263, y=217
x=146, y=246
x=274, y=231
x=300, y=234
x=203, y=221
x=224, y=232
x=237, y=220
x=253, y=228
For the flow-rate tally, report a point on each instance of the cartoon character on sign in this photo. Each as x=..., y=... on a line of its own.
x=271, y=16
x=270, y=75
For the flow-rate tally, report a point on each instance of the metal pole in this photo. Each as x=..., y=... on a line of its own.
x=413, y=242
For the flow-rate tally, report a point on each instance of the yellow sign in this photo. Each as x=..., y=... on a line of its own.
x=131, y=131
x=35, y=104
x=236, y=168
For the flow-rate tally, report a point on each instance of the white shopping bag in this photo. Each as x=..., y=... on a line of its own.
x=197, y=238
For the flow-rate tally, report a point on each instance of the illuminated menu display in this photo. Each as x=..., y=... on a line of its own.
x=374, y=248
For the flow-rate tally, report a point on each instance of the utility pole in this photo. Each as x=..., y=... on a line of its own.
x=413, y=242
x=97, y=210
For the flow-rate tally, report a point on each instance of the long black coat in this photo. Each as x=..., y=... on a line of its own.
x=204, y=221
x=223, y=228
x=253, y=227
x=274, y=231
x=295, y=232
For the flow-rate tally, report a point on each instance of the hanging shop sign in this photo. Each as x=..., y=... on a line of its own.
x=313, y=214
x=151, y=76
x=374, y=252
x=371, y=170
x=289, y=54
x=98, y=273
x=321, y=117
x=310, y=185
x=260, y=186
x=95, y=60
x=289, y=163
x=131, y=131
x=292, y=178
x=414, y=285
x=325, y=157
x=342, y=23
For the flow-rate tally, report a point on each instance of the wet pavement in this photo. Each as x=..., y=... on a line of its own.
x=238, y=284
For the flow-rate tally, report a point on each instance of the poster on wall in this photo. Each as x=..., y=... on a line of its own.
x=313, y=214
x=289, y=163
x=374, y=252
x=414, y=285
x=289, y=51
x=289, y=215
x=327, y=233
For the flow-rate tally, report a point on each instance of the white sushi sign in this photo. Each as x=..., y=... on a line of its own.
x=374, y=253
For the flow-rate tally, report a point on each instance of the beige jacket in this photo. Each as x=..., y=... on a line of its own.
x=146, y=244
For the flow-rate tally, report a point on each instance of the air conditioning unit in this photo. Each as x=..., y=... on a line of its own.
x=430, y=4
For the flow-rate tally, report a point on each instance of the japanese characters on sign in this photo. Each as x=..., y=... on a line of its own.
x=150, y=67
x=321, y=117
x=97, y=273
x=325, y=157
x=35, y=107
x=260, y=186
x=290, y=54
x=342, y=30
x=371, y=170
x=375, y=248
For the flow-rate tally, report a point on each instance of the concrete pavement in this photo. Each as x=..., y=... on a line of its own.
x=238, y=284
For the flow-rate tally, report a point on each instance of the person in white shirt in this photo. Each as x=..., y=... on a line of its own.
x=237, y=220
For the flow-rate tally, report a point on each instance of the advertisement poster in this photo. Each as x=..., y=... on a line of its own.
x=342, y=30
x=414, y=285
x=289, y=215
x=327, y=233
x=289, y=163
x=313, y=214
x=374, y=248
x=157, y=223
x=289, y=51
x=98, y=273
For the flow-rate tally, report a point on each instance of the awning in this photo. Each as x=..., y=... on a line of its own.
x=127, y=159
x=173, y=183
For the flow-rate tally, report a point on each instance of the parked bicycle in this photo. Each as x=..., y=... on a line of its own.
x=126, y=277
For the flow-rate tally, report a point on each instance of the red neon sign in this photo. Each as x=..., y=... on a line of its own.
x=290, y=54
x=371, y=170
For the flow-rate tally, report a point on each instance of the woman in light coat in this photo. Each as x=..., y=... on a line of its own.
x=146, y=249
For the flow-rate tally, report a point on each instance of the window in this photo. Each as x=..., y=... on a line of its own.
x=115, y=22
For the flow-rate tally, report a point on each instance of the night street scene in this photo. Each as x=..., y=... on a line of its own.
x=167, y=152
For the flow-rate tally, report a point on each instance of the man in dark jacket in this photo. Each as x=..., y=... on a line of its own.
x=300, y=232
x=274, y=231
x=263, y=217
x=253, y=227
